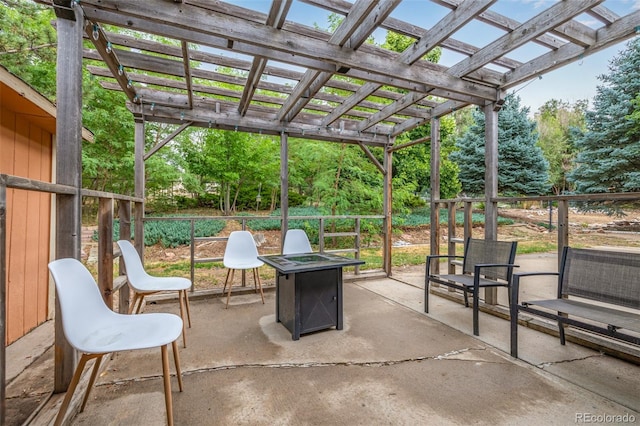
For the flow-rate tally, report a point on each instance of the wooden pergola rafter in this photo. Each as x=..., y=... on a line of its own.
x=348, y=90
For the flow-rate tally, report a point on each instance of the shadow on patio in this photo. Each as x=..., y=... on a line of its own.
x=391, y=364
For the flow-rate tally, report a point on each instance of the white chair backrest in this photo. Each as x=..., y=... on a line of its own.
x=132, y=263
x=296, y=241
x=240, y=247
x=82, y=307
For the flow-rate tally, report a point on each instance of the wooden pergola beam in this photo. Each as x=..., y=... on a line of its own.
x=197, y=25
x=276, y=18
x=313, y=81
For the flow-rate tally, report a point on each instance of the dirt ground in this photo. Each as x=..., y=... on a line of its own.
x=586, y=230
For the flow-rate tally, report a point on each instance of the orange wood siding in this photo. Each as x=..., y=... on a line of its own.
x=26, y=150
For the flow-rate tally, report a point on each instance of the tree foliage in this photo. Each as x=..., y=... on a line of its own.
x=412, y=166
x=337, y=177
x=28, y=43
x=609, y=150
x=522, y=169
x=226, y=163
x=558, y=125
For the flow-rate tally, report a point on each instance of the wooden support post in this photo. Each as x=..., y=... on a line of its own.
x=124, y=214
x=387, y=205
x=284, y=186
x=357, y=244
x=451, y=233
x=434, y=226
x=105, y=249
x=68, y=168
x=321, y=234
x=491, y=185
x=468, y=220
x=3, y=297
x=139, y=187
x=192, y=249
x=434, y=237
x=563, y=227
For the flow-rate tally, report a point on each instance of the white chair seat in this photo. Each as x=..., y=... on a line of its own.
x=244, y=264
x=129, y=332
x=151, y=284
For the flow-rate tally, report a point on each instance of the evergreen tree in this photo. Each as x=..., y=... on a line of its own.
x=522, y=169
x=609, y=151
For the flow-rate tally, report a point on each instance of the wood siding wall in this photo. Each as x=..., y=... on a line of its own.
x=26, y=150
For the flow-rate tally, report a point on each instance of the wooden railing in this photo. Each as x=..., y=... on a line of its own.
x=322, y=234
x=107, y=284
x=562, y=201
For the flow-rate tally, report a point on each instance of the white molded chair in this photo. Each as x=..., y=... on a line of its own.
x=241, y=253
x=296, y=241
x=95, y=330
x=144, y=284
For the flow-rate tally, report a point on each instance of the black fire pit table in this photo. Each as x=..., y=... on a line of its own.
x=309, y=290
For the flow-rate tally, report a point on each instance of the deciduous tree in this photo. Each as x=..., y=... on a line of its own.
x=558, y=124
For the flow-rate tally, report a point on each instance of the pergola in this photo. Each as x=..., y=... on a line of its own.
x=292, y=80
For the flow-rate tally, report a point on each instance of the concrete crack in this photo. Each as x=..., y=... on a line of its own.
x=564, y=361
x=446, y=356
x=453, y=353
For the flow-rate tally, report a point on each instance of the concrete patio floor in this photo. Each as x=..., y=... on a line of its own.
x=392, y=364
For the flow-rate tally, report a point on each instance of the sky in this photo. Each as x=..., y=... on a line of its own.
x=573, y=82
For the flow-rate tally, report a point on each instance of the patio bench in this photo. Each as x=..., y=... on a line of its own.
x=486, y=263
x=594, y=288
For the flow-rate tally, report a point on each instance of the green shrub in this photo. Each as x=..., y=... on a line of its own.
x=186, y=202
x=422, y=217
x=171, y=233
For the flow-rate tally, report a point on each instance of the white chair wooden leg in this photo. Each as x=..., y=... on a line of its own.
x=186, y=301
x=184, y=323
x=241, y=253
x=226, y=280
x=167, y=384
x=136, y=297
x=230, y=286
x=256, y=278
x=94, y=330
x=140, y=304
x=72, y=387
x=176, y=359
x=92, y=380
